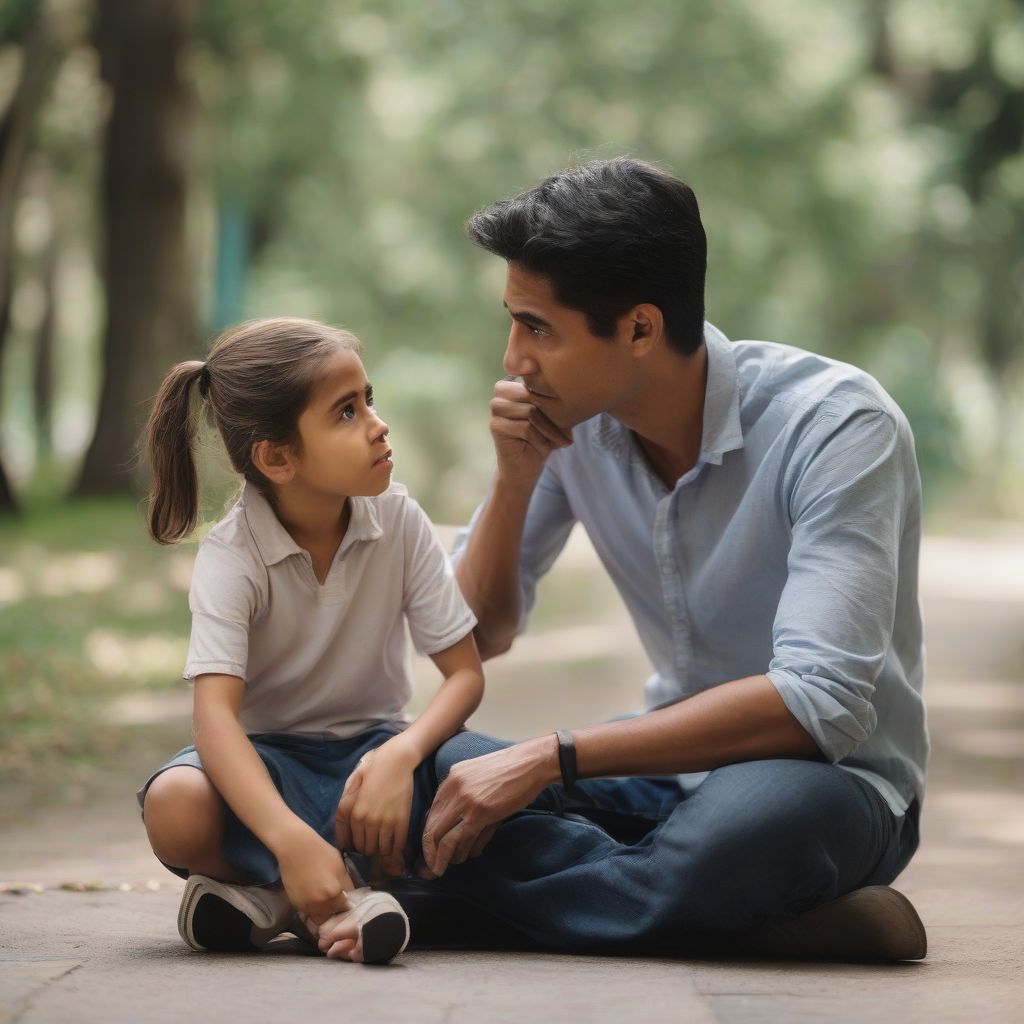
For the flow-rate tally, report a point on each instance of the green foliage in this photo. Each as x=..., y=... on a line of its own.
x=90, y=609
x=362, y=137
x=905, y=360
x=15, y=16
x=851, y=160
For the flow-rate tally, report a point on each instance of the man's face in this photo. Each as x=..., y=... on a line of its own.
x=571, y=373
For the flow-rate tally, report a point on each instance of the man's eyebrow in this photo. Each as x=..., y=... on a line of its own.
x=527, y=318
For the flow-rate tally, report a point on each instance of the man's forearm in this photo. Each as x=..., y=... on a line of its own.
x=743, y=720
x=488, y=571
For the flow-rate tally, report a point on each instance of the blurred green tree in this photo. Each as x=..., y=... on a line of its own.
x=148, y=278
x=854, y=162
x=967, y=92
x=20, y=20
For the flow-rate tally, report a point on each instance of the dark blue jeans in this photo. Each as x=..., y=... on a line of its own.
x=755, y=841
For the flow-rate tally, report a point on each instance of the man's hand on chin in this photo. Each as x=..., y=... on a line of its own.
x=479, y=795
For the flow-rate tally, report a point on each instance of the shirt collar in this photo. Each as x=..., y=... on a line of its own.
x=276, y=544
x=721, y=430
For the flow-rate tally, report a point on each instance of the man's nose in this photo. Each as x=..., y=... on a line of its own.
x=517, y=362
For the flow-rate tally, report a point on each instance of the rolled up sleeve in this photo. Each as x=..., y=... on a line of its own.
x=847, y=488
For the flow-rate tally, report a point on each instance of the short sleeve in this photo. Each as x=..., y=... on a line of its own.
x=223, y=599
x=434, y=607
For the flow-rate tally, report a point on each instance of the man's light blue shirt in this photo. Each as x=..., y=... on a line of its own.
x=790, y=549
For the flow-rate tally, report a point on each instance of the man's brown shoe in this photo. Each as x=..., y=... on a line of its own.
x=870, y=924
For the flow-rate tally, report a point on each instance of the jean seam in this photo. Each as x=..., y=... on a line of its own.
x=874, y=798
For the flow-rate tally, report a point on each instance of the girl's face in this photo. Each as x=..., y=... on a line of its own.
x=345, y=447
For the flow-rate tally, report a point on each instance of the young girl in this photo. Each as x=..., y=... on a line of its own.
x=299, y=600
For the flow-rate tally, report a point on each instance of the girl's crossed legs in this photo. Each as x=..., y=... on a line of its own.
x=194, y=832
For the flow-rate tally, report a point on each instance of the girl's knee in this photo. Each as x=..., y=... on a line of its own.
x=182, y=812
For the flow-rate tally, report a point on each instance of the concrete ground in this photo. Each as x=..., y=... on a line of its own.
x=106, y=949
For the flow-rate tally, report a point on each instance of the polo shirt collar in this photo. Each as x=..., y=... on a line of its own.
x=276, y=544
x=721, y=431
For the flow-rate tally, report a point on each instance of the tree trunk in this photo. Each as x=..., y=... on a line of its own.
x=15, y=130
x=8, y=500
x=150, y=311
x=42, y=378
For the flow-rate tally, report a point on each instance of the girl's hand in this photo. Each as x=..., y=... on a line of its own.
x=373, y=813
x=313, y=875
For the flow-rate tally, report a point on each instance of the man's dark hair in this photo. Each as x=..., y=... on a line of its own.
x=608, y=235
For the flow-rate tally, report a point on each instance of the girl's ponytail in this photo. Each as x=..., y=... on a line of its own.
x=170, y=438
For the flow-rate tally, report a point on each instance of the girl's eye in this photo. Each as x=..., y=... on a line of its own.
x=349, y=412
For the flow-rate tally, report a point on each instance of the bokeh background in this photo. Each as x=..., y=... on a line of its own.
x=168, y=167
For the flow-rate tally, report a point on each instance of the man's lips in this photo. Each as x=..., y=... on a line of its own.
x=533, y=391
x=384, y=458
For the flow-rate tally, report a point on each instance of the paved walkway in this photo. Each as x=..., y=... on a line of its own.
x=112, y=954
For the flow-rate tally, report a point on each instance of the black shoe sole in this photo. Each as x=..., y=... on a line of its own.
x=220, y=928
x=382, y=938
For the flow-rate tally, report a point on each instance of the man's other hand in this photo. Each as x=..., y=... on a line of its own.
x=479, y=794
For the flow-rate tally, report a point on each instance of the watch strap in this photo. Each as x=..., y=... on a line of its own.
x=566, y=757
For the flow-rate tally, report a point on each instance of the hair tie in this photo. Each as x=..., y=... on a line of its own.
x=204, y=380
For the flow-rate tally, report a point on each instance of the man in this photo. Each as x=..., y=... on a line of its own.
x=758, y=508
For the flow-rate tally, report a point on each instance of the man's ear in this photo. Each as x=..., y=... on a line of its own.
x=645, y=326
x=273, y=460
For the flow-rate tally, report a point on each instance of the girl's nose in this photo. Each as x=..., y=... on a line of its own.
x=379, y=429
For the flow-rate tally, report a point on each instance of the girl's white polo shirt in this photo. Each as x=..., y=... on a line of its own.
x=322, y=658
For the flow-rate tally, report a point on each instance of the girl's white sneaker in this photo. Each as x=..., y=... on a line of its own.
x=383, y=926
x=222, y=917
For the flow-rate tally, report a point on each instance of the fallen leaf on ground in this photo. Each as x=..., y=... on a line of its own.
x=20, y=888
